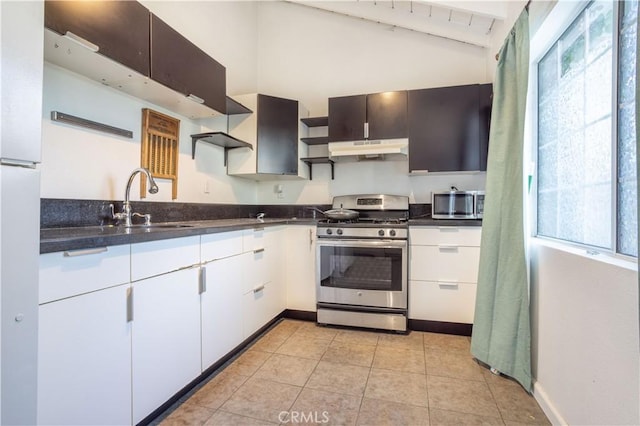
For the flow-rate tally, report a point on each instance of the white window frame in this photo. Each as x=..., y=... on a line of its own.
x=554, y=25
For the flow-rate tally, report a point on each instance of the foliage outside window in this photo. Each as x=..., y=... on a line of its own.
x=587, y=186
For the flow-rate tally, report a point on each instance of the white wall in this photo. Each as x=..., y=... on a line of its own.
x=585, y=337
x=85, y=164
x=226, y=30
x=311, y=55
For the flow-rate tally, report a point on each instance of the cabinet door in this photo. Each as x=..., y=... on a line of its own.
x=277, y=135
x=221, y=304
x=444, y=130
x=301, y=268
x=486, y=101
x=120, y=29
x=84, y=359
x=181, y=65
x=387, y=115
x=347, y=115
x=166, y=352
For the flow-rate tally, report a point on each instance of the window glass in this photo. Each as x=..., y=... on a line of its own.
x=575, y=131
x=627, y=181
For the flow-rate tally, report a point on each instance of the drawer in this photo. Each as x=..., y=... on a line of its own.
x=434, y=235
x=256, y=269
x=444, y=263
x=434, y=301
x=73, y=272
x=257, y=307
x=159, y=257
x=254, y=239
x=219, y=246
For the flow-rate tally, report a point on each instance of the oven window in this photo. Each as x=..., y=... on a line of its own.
x=361, y=268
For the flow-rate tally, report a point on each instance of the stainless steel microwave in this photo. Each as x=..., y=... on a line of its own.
x=457, y=205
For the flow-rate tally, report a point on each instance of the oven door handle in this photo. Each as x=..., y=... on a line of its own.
x=362, y=243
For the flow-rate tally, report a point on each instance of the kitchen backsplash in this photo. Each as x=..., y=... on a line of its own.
x=56, y=213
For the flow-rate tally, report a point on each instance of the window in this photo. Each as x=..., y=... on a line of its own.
x=586, y=146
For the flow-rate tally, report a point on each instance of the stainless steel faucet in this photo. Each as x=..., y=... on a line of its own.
x=126, y=214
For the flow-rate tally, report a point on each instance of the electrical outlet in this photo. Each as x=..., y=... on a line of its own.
x=207, y=186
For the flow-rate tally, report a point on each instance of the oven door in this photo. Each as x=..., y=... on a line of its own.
x=362, y=272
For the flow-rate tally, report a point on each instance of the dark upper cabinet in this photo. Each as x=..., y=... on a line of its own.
x=182, y=66
x=384, y=113
x=277, y=147
x=448, y=128
x=387, y=115
x=347, y=115
x=120, y=29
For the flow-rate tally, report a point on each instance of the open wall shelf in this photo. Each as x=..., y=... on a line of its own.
x=310, y=161
x=221, y=139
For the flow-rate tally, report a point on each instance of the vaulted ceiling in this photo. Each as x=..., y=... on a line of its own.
x=469, y=22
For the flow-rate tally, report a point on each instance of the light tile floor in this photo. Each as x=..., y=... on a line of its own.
x=299, y=373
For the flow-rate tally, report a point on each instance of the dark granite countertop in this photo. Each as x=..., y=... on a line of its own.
x=84, y=237
x=427, y=221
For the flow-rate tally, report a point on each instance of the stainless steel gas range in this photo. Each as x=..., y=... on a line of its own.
x=361, y=275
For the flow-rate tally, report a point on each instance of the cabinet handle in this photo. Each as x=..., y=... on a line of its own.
x=258, y=289
x=260, y=250
x=81, y=41
x=84, y=252
x=366, y=130
x=258, y=229
x=203, y=279
x=448, y=248
x=448, y=284
x=195, y=98
x=448, y=229
x=310, y=238
x=130, y=304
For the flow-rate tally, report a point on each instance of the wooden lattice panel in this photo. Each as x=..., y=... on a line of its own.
x=159, y=153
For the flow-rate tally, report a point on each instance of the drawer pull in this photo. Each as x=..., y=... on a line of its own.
x=448, y=284
x=84, y=252
x=258, y=289
x=203, y=280
x=130, y=304
x=260, y=250
x=448, y=248
x=261, y=228
x=448, y=228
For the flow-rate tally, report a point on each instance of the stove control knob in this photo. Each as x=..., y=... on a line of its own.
x=329, y=231
x=381, y=232
x=392, y=232
x=339, y=231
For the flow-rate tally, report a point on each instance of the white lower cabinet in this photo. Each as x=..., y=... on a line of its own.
x=443, y=270
x=123, y=328
x=300, y=267
x=264, y=294
x=166, y=352
x=84, y=362
x=84, y=338
x=221, y=307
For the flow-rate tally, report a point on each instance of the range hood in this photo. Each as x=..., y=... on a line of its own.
x=386, y=149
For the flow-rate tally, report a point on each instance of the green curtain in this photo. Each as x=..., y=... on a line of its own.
x=501, y=331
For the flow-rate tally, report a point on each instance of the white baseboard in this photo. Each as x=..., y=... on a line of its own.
x=547, y=405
